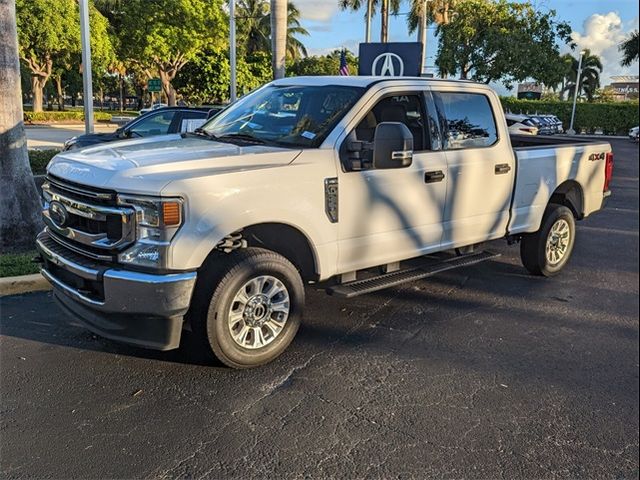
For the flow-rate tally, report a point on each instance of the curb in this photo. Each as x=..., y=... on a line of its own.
x=23, y=284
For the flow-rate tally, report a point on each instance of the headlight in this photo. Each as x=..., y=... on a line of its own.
x=157, y=220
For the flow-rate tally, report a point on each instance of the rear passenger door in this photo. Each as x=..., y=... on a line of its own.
x=480, y=166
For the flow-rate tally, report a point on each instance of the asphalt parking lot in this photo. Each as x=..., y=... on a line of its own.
x=485, y=372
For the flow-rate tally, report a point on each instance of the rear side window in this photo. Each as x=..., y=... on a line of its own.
x=469, y=120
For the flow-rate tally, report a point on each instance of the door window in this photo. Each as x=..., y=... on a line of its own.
x=190, y=120
x=469, y=120
x=405, y=108
x=155, y=124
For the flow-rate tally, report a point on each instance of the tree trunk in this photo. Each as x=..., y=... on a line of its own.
x=167, y=88
x=37, y=89
x=384, y=24
x=58, y=80
x=278, y=37
x=19, y=203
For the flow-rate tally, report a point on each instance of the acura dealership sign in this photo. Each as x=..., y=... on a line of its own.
x=400, y=59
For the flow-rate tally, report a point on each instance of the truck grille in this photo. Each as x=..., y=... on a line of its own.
x=87, y=220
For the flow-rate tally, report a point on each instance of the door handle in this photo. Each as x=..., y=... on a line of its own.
x=502, y=168
x=433, y=177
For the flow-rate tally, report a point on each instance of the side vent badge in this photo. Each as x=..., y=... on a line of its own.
x=331, y=199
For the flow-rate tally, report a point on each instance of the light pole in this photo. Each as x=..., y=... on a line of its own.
x=571, y=131
x=422, y=34
x=232, y=49
x=367, y=33
x=87, y=87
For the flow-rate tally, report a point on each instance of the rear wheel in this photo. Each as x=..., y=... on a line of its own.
x=548, y=250
x=248, y=307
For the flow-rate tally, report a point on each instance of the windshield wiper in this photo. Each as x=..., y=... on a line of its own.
x=242, y=137
x=200, y=132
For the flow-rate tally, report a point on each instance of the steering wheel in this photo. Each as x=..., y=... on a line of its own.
x=133, y=133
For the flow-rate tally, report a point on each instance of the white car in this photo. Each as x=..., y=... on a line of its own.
x=220, y=230
x=633, y=133
x=155, y=106
x=521, y=125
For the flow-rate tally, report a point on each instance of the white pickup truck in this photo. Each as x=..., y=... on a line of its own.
x=357, y=182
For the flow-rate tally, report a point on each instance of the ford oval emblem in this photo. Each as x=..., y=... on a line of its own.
x=58, y=214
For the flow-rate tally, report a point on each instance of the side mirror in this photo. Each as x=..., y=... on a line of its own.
x=392, y=145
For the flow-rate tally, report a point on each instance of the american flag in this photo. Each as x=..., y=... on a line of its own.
x=344, y=68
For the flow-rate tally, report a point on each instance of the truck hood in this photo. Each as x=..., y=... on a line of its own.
x=146, y=165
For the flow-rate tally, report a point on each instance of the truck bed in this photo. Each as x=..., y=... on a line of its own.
x=521, y=142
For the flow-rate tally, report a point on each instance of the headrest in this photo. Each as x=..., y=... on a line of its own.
x=393, y=113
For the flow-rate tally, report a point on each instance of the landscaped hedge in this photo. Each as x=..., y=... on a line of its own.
x=39, y=160
x=615, y=118
x=63, y=116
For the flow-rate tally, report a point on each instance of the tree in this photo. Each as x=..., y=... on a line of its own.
x=278, y=37
x=164, y=35
x=589, y=77
x=254, y=28
x=19, y=205
x=49, y=39
x=322, y=64
x=500, y=40
x=438, y=12
x=384, y=5
x=206, y=79
x=629, y=49
x=47, y=31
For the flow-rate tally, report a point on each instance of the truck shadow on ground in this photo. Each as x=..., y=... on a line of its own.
x=394, y=327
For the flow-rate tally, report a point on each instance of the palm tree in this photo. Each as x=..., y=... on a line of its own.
x=438, y=12
x=386, y=7
x=20, y=207
x=278, y=20
x=589, y=78
x=254, y=28
x=629, y=49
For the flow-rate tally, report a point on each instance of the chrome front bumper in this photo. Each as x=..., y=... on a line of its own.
x=138, y=308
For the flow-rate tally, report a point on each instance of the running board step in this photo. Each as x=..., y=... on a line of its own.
x=369, y=285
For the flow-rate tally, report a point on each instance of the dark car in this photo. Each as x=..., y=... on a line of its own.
x=161, y=121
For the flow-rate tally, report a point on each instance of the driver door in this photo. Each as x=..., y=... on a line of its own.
x=392, y=214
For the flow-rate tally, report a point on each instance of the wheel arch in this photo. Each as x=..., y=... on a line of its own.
x=571, y=195
x=284, y=239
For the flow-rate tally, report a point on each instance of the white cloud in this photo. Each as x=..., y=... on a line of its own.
x=602, y=33
x=317, y=10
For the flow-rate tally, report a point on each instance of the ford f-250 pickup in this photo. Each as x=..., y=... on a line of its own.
x=357, y=182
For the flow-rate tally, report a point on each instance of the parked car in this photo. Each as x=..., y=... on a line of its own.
x=633, y=133
x=319, y=180
x=521, y=125
x=545, y=126
x=157, y=122
x=153, y=107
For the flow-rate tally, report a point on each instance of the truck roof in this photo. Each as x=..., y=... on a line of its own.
x=359, y=81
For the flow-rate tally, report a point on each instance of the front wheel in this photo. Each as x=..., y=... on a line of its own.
x=248, y=307
x=548, y=250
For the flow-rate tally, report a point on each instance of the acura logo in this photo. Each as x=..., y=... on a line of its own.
x=387, y=65
x=58, y=214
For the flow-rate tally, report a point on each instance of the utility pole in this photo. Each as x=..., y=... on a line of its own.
x=232, y=48
x=571, y=131
x=87, y=87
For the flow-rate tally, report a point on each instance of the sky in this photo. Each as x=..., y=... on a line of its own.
x=597, y=24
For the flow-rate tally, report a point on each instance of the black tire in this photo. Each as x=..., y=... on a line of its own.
x=533, y=245
x=219, y=281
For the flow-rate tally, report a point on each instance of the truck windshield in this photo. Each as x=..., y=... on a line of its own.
x=300, y=116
